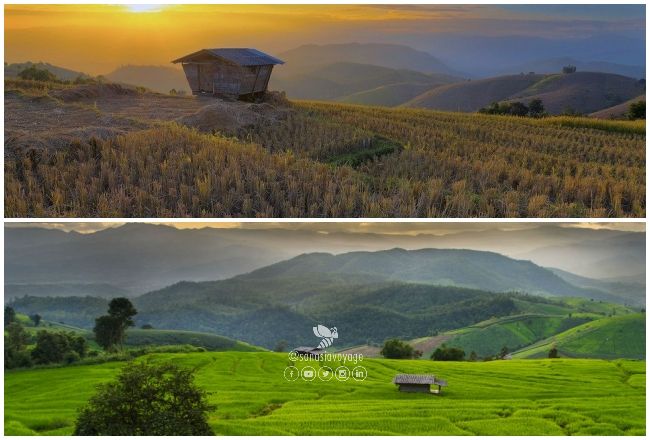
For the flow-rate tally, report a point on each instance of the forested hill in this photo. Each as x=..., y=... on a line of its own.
x=373, y=295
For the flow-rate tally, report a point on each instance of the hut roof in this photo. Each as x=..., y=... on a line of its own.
x=240, y=56
x=312, y=350
x=418, y=379
x=423, y=379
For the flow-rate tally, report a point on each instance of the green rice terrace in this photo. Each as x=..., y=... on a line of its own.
x=516, y=397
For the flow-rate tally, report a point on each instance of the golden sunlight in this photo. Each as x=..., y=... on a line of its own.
x=144, y=8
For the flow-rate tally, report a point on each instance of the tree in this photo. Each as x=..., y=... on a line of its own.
x=58, y=347
x=636, y=110
x=122, y=308
x=518, y=109
x=36, y=319
x=37, y=74
x=281, y=346
x=10, y=315
x=473, y=357
x=110, y=330
x=536, y=108
x=16, y=340
x=444, y=353
x=553, y=354
x=569, y=69
x=147, y=399
x=504, y=352
x=396, y=349
x=147, y=327
x=107, y=331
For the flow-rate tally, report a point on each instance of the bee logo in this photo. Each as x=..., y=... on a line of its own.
x=328, y=335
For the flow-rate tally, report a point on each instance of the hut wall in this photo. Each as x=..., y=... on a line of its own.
x=192, y=74
x=262, y=79
x=219, y=78
x=415, y=388
x=226, y=79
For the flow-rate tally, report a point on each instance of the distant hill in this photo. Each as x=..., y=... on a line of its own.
x=554, y=65
x=60, y=72
x=157, y=78
x=390, y=95
x=63, y=289
x=469, y=96
x=353, y=82
x=612, y=256
x=451, y=267
x=141, y=257
x=618, y=111
x=582, y=92
x=308, y=57
x=146, y=257
x=632, y=292
x=607, y=338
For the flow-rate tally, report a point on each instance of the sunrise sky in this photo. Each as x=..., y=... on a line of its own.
x=399, y=228
x=98, y=38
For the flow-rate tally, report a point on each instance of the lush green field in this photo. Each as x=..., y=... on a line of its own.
x=519, y=397
x=622, y=335
x=512, y=332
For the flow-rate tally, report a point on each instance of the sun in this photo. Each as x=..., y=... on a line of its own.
x=144, y=8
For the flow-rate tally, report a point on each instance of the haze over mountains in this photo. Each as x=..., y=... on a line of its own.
x=266, y=284
x=139, y=257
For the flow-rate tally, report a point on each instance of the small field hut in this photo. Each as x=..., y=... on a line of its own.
x=419, y=383
x=238, y=73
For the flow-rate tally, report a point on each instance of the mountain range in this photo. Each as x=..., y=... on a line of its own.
x=399, y=75
x=373, y=295
x=145, y=257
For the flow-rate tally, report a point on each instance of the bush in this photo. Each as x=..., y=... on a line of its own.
x=396, y=349
x=637, y=110
x=444, y=353
x=54, y=348
x=147, y=399
x=16, y=340
x=37, y=74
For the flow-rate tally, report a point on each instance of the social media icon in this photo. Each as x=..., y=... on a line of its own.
x=359, y=373
x=291, y=373
x=308, y=373
x=343, y=373
x=325, y=374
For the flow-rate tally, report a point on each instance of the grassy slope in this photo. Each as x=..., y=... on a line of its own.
x=618, y=336
x=507, y=397
x=153, y=337
x=584, y=92
x=469, y=96
x=617, y=111
x=513, y=332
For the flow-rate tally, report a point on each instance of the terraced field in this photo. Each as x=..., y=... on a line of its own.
x=136, y=157
x=519, y=397
x=599, y=338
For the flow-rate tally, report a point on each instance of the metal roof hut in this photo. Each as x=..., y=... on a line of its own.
x=419, y=383
x=239, y=73
x=314, y=352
